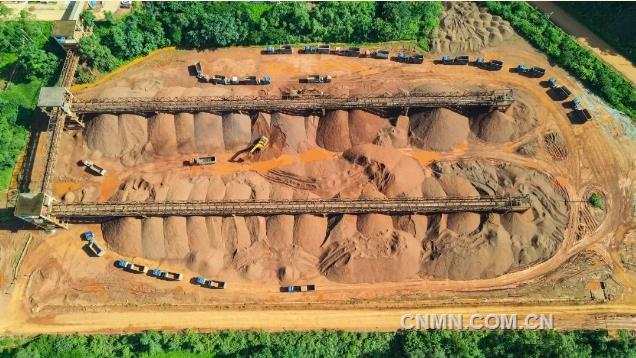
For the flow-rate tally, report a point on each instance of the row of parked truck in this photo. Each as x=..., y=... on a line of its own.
x=232, y=80
x=326, y=49
x=561, y=93
x=136, y=268
x=199, y=280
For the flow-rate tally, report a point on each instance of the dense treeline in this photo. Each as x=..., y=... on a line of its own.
x=218, y=24
x=613, y=21
x=327, y=344
x=569, y=54
x=27, y=60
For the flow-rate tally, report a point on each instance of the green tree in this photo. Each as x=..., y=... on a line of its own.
x=595, y=200
x=37, y=63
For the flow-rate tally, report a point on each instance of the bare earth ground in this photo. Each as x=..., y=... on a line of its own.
x=61, y=289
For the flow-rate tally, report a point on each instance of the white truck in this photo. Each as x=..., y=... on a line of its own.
x=202, y=161
x=93, y=168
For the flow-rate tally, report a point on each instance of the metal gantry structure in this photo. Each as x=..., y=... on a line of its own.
x=88, y=211
x=498, y=99
x=57, y=120
x=57, y=213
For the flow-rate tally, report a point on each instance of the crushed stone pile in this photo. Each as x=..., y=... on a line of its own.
x=347, y=248
x=102, y=134
x=466, y=27
x=439, y=129
x=468, y=249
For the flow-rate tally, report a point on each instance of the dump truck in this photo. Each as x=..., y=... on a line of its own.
x=534, y=71
x=582, y=114
x=459, y=60
x=559, y=92
x=121, y=263
x=260, y=145
x=199, y=73
x=253, y=80
x=214, y=284
x=316, y=79
x=136, y=268
x=281, y=50
x=350, y=52
x=88, y=236
x=166, y=275
x=579, y=112
x=308, y=50
x=492, y=65
x=93, y=168
x=298, y=288
x=416, y=59
x=95, y=248
x=220, y=80
x=202, y=161
x=380, y=54
x=171, y=276
x=324, y=49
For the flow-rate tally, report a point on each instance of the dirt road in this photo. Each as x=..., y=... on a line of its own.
x=601, y=48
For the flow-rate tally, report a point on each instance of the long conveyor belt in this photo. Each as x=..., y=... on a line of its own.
x=496, y=99
x=294, y=207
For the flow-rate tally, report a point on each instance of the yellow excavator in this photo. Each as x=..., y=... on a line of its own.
x=260, y=144
x=256, y=146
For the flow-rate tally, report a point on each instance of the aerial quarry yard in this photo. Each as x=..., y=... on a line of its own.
x=386, y=205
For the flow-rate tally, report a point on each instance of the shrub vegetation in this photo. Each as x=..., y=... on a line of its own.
x=28, y=60
x=613, y=21
x=568, y=53
x=204, y=25
x=327, y=344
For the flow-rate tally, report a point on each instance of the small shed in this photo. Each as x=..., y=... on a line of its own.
x=35, y=208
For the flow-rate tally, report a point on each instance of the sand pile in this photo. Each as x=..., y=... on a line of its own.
x=102, y=134
x=184, y=127
x=394, y=136
x=496, y=127
x=465, y=27
x=364, y=126
x=333, y=131
x=467, y=249
x=162, y=134
x=129, y=136
x=352, y=257
x=208, y=132
x=237, y=131
x=524, y=116
x=431, y=188
x=393, y=173
x=346, y=248
x=133, y=131
x=439, y=129
x=488, y=254
x=339, y=130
